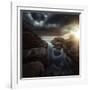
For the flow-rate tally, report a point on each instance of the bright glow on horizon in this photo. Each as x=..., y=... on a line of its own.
x=72, y=30
x=77, y=34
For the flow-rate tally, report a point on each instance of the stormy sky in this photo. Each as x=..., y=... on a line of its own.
x=49, y=24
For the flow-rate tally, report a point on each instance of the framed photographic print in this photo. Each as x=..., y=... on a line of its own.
x=48, y=45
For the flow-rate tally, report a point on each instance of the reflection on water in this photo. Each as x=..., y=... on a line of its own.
x=48, y=39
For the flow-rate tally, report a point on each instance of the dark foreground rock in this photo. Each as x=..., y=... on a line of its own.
x=41, y=60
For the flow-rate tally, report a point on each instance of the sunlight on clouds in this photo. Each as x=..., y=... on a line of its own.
x=71, y=30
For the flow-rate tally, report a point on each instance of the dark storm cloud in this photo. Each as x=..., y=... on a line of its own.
x=46, y=20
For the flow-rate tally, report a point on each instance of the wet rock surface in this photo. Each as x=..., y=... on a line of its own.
x=41, y=59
